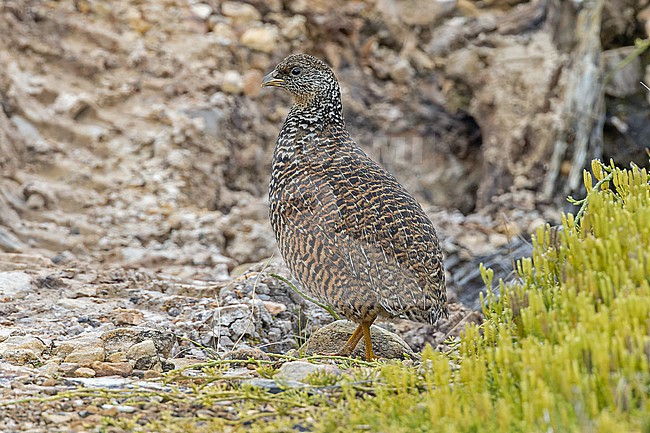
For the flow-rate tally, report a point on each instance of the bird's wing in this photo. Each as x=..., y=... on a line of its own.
x=380, y=231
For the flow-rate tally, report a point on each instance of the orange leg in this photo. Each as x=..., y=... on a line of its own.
x=352, y=342
x=370, y=355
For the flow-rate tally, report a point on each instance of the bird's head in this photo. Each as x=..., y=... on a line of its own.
x=303, y=76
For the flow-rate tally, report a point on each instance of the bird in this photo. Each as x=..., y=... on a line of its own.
x=348, y=231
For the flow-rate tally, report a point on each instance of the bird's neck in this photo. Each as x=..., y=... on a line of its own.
x=316, y=112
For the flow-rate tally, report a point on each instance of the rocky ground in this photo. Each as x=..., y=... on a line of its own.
x=135, y=148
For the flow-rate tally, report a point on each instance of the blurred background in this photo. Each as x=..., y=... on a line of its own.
x=135, y=135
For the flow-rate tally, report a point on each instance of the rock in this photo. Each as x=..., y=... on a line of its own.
x=201, y=10
x=117, y=357
x=121, y=339
x=246, y=354
x=225, y=316
x=274, y=308
x=151, y=374
x=294, y=27
x=22, y=349
x=252, y=81
x=239, y=12
x=272, y=386
x=86, y=355
x=90, y=340
x=624, y=81
x=143, y=354
x=232, y=82
x=300, y=370
x=112, y=368
x=10, y=243
x=15, y=284
x=84, y=372
x=68, y=368
x=330, y=338
x=263, y=38
x=71, y=105
x=124, y=316
x=415, y=12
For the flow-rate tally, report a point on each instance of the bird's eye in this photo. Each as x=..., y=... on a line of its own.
x=296, y=71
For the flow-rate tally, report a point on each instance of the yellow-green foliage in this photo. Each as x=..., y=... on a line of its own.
x=565, y=349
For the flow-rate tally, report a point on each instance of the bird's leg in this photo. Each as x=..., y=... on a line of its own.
x=370, y=355
x=352, y=342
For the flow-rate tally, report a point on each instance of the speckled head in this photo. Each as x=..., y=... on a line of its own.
x=303, y=76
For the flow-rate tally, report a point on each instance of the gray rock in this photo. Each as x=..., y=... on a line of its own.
x=225, y=316
x=22, y=349
x=121, y=339
x=330, y=339
x=144, y=354
x=300, y=370
x=272, y=386
x=15, y=284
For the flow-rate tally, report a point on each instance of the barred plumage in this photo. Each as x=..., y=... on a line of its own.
x=348, y=231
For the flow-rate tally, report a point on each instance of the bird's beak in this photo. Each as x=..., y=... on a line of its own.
x=271, y=79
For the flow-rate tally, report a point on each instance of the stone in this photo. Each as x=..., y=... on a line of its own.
x=112, y=368
x=121, y=339
x=252, y=81
x=240, y=12
x=117, y=357
x=272, y=386
x=263, y=38
x=84, y=372
x=415, y=12
x=274, y=308
x=71, y=105
x=15, y=284
x=330, y=338
x=83, y=341
x=201, y=10
x=225, y=316
x=68, y=368
x=246, y=354
x=232, y=82
x=300, y=370
x=22, y=349
x=624, y=81
x=126, y=316
x=294, y=27
x=143, y=354
x=86, y=355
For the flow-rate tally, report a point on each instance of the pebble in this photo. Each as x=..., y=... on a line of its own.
x=112, y=368
x=263, y=38
x=201, y=10
x=84, y=372
x=86, y=355
x=240, y=12
x=274, y=308
x=15, y=284
x=252, y=82
x=22, y=349
x=232, y=82
x=300, y=370
x=124, y=316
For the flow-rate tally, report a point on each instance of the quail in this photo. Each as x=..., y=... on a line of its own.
x=348, y=231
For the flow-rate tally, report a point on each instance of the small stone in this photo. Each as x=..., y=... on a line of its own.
x=274, y=308
x=15, y=284
x=81, y=342
x=117, y=357
x=201, y=10
x=70, y=104
x=68, y=368
x=294, y=27
x=21, y=349
x=299, y=370
x=121, y=339
x=112, y=368
x=225, y=316
x=330, y=339
x=86, y=355
x=143, y=354
x=252, y=81
x=124, y=316
x=263, y=38
x=58, y=418
x=84, y=372
x=623, y=81
x=232, y=82
x=35, y=202
x=152, y=374
x=240, y=12
x=272, y=386
x=401, y=71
